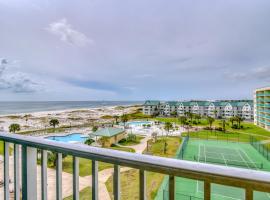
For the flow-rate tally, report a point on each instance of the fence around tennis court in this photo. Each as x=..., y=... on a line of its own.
x=262, y=148
x=235, y=163
x=182, y=147
x=219, y=136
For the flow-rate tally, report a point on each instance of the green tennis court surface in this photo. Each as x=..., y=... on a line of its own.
x=225, y=153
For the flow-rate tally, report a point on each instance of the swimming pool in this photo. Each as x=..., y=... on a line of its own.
x=71, y=138
x=138, y=123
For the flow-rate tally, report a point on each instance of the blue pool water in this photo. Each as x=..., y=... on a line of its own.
x=71, y=138
x=138, y=123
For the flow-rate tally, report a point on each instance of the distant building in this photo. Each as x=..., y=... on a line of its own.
x=151, y=107
x=262, y=107
x=216, y=109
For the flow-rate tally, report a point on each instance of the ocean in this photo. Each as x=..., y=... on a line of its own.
x=37, y=106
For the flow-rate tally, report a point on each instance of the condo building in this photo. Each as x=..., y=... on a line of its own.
x=262, y=107
x=216, y=109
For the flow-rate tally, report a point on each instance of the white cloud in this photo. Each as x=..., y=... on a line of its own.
x=17, y=82
x=259, y=73
x=68, y=34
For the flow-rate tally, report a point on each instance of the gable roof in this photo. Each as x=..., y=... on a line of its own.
x=151, y=103
x=172, y=103
x=220, y=103
x=108, y=132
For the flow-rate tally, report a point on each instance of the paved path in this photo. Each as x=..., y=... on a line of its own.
x=139, y=148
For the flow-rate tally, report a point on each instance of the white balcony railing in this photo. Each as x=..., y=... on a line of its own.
x=250, y=180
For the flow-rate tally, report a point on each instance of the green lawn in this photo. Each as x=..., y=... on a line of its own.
x=85, y=194
x=1, y=147
x=130, y=179
x=86, y=165
x=130, y=143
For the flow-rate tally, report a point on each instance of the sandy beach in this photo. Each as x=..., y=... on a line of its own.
x=67, y=118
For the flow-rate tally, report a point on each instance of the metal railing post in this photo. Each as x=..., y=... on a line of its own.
x=29, y=173
x=75, y=178
x=44, y=190
x=94, y=180
x=249, y=193
x=171, y=187
x=59, y=176
x=207, y=190
x=16, y=172
x=142, y=184
x=116, y=182
x=6, y=170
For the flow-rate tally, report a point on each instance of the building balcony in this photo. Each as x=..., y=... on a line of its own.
x=249, y=180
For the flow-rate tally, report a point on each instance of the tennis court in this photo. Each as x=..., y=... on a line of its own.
x=225, y=153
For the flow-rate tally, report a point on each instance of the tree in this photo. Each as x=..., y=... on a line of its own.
x=116, y=117
x=26, y=117
x=182, y=120
x=168, y=126
x=89, y=141
x=14, y=127
x=124, y=119
x=239, y=119
x=190, y=115
x=210, y=121
x=95, y=128
x=232, y=119
x=223, y=123
x=215, y=113
x=174, y=113
x=197, y=117
x=54, y=122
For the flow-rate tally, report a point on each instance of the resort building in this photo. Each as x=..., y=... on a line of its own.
x=216, y=109
x=109, y=136
x=262, y=107
x=151, y=107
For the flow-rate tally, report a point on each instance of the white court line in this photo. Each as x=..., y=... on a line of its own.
x=204, y=153
x=224, y=159
x=220, y=195
x=199, y=153
x=243, y=158
x=249, y=158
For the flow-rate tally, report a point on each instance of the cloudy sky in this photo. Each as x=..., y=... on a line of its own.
x=133, y=50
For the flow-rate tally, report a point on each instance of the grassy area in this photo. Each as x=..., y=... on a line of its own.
x=85, y=194
x=86, y=165
x=130, y=179
x=122, y=149
x=1, y=147
x=131, y=142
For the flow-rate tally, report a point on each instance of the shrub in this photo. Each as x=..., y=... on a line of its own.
x=234, y=126
x=89, y=141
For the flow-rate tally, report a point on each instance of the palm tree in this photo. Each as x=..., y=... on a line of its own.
x=190, y=116
x=239, y=119
x=223, y=123
x=54, y=122
x=232, y=119
x=168, y=126
x=14, y=127
x=26, y=117
x=124, y=119
x=116, y=117
x=182, y=120
x=95, y=128
x=197, y=117
x=210, y=121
